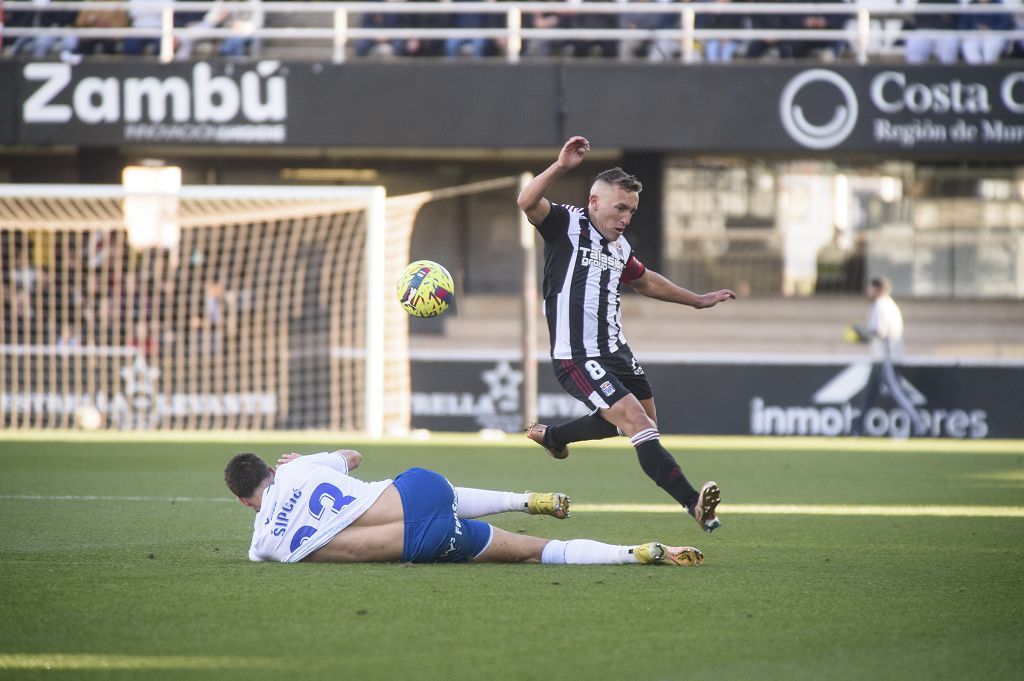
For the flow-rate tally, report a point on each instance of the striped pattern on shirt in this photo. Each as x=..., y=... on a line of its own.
x=583, y=273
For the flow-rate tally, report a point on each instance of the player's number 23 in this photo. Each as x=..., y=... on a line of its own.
x=325, y=496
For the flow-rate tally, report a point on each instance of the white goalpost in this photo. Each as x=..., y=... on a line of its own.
x=210, y=307
x=219, y=308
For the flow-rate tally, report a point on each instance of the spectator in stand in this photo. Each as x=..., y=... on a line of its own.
x=244, y=17
x=595, y=48
x=654, y=50
x=144, y=14
x=473, y=47
x=400, y=47
x=552, y=20
x=95, y=18
x=382, y=47
x=147, y=344
x=983, y=47
x=826, y=50
x=42, y=45
x=720, y=50
x=932, y=40
x=1018, y=47
x=769, y=47
x=419, y=47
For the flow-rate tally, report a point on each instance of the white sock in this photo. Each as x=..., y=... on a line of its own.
x=474, y=503
x=585, y=552
x=645, y=435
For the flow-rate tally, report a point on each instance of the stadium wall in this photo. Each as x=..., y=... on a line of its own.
x=742, y=396
x=922, y=111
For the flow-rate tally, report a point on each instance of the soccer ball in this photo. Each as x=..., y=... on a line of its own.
x=425, y=289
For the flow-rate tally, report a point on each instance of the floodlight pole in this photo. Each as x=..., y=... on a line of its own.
x=529, y=312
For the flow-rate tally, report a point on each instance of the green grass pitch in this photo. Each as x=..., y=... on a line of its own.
x=125, y=558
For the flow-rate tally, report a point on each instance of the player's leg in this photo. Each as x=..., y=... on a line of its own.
x=509, y=547
x=868, y=396
x=556, y=438
x=589, y=381
x=635, y=421
x=652, y=411
x=892, y=381
x=475, y=503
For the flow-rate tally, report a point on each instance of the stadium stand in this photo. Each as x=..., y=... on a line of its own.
x=870, y=29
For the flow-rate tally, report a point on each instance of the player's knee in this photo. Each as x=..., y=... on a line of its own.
x=637, y=420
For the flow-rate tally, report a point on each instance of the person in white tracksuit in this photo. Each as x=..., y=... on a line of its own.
x=884, y=332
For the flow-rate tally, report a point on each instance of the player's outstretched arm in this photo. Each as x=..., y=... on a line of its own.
x=654, y=285
x=352, y=457
x=531, y=200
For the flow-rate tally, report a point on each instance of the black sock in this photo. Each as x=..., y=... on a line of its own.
x=662, y=468
x=589, y=427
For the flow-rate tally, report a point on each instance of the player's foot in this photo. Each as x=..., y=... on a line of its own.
x=536, y=433
x=704, y=510
x=553, y=504
x=657, y=553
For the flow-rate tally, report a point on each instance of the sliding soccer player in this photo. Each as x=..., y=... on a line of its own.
x=311, y=509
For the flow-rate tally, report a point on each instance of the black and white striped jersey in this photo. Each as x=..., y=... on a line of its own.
x=582, y=275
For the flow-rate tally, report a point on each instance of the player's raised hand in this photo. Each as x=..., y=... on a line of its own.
x=716, y=297
x=285, y=458
x=573, y=152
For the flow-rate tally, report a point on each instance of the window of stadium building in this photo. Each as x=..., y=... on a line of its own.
x=801, y=228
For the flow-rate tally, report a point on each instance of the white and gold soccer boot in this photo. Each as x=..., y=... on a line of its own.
x=656, y=553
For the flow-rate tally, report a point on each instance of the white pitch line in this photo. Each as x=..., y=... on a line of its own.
x=67, y=661
x=738, y=509
x=90, y=497
x=821, y=509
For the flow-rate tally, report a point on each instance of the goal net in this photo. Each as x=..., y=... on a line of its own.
x=209, y=308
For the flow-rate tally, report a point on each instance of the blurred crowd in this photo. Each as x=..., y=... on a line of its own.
x=924, y=38
x=91, y=288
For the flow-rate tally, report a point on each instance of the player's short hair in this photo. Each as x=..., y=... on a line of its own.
x=244, y=473
x=881, y=283
x=620, y=178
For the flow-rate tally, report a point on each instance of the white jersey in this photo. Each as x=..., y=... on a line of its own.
x=885, y=324
x=311, y=500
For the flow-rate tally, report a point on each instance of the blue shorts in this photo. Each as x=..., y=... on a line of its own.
x=433, y=531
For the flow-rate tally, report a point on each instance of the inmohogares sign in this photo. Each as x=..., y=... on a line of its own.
x=194, y=105
x=740, y=397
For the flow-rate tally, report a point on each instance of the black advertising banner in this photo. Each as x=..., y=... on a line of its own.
x=271, y=104
x=8, y=133
x=947, y=111
x=963, y=402
x=893, y=109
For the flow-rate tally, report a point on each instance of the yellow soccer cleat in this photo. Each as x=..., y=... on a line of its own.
x=554, y=504
x=657, y=553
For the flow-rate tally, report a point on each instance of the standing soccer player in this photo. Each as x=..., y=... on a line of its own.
x=586, y=260
x=884, y=332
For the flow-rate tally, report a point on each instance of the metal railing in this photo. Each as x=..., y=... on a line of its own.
x=863, y=29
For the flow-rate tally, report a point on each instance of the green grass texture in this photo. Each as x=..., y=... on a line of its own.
x=126, y=558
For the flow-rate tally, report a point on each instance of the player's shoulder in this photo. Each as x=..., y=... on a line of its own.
x=576, y=213
x=570, y=216
x=558, y=219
